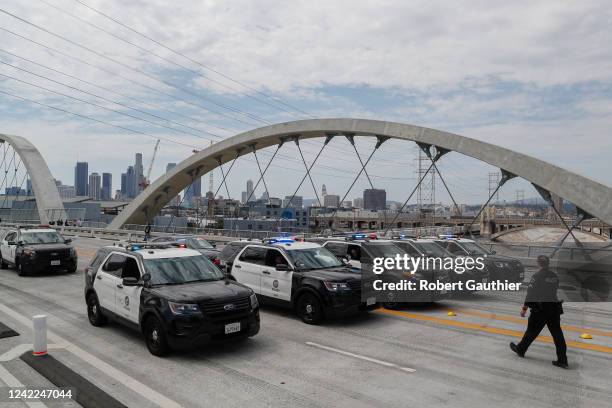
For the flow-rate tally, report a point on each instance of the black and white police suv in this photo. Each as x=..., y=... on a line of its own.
x=36, y=250
x=300, y=275
x=175, y=296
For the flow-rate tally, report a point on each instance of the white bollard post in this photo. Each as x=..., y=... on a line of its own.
x=40, y=335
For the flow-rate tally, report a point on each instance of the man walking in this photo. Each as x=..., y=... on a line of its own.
x=546, y=310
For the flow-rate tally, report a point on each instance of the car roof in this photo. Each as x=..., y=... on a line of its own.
x=292, y=246
x=155, y=253
x=37, y=229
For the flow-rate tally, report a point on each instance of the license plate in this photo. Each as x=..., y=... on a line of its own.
x=55, y=263
x=232, y=328
x=370, y=301
x=485, y=280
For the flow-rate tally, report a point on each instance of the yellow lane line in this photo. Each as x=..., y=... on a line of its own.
x=489, y=329
x=506, y=318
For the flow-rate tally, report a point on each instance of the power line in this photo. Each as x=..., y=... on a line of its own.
x=278, y=100
x=91, y=103
x=155, y=106
x=116, y=74
x=138, y=70
x=100, y=97
x=96, y=120
x=198, y=73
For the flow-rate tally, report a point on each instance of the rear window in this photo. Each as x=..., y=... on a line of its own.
x=230, y=251
x=98, y=258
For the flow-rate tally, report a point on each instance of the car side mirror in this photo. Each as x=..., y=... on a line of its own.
x=493, y=252
x=282, y=267
x=213, y=244
x=20, y=243
x=130, y=281
x=68, y=240
x=146, y=277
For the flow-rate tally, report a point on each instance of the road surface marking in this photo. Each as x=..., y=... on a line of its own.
x=10, y=381
x=489, y=329
x=513, y=319
x=22, y=348
x=370, y=359
x=101, y=365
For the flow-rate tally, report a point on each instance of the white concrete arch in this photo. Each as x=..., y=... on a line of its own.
x=48, y=200
x=591, y=196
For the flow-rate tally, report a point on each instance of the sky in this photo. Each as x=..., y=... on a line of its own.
x=535, y=77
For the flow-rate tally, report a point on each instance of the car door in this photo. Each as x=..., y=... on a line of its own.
x=249, y=266
x=127, y=298
x=107, y=279
x=8, y=251
x=276, y=284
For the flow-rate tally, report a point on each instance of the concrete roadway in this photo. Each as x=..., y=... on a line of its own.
x=417, y=356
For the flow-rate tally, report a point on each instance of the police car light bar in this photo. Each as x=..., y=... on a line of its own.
x=279, y=240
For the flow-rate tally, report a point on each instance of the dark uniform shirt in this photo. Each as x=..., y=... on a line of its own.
x=542, y=292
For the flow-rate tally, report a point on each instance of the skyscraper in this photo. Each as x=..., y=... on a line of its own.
x=130, y=182
x=331, y=200
x=138, y=174
x=323, y=191
x=107, y=186
x=81, y=172
x=374, y=199
x=123, y=186
x=94, y=186
x=170, y=166
x=249, y=190
x=194, y=190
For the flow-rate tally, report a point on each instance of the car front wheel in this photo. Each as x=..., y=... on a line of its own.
x=309, y=309
x=96, y=318
x=155, y=337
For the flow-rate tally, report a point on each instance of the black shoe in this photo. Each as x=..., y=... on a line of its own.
x=514, y=348
x=560, y=364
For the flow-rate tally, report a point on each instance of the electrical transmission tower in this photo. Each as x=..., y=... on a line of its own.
x=494, y=178
x=426, y=191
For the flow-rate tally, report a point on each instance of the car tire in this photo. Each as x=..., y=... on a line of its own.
x=94, y=313
x=73, y=269
x=155, y=337
x=20, y=270
x=310, y=309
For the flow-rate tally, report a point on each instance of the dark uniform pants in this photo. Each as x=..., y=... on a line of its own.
x=537, y=321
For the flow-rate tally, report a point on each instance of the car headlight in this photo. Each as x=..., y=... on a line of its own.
x=72, y=252
x=498, y=264
x=183, y=308
x=336, y=286
x=254, y=301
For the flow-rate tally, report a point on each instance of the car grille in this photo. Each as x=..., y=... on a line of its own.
x=220, y=310
x=56, y=254
x=354, y=285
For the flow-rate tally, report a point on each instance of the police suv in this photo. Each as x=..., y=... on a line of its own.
x=176, y=297
x=300, y=275
x=36, y=249
x=500, y=267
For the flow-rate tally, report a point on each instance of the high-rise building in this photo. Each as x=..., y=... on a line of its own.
x=138, y=174
x=94, y=186
x=170, y=166
x=358, y=202
x=81, y=172
x=297, y=202
x=331, y=200
x=107, y=186
x=249, y=190
x=374, y=199
x=29, y=190
x=130, y=182
x=323, y=191
x=243, y=197
x=192, y=191
x=123, y=190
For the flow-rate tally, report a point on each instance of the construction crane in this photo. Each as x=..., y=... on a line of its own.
x=147, y=178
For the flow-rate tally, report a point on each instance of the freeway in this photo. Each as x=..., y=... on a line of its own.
x=418, y=355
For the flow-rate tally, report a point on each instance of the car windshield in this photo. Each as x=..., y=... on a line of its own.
x=474, y=249
x=168, y=271
x=198, y=243
x=313, y=258
x=385, y=250
x=431, y=249
x=46, y=237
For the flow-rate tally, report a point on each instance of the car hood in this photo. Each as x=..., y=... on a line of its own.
x=47, y=247
x=203, y=291
x=337, y=274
